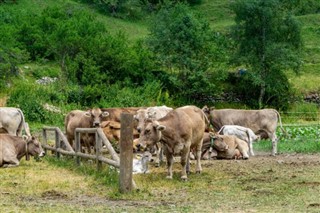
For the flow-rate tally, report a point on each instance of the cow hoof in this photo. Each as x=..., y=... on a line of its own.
x=169, y=177
x=184, y=178
x=198, y=172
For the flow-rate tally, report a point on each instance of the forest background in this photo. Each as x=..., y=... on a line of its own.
x=77, y=54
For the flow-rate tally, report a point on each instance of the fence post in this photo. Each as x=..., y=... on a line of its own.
x=44, y=135
x=126, y=152
x=98, y=151
x=78, y=146
x=58, y=144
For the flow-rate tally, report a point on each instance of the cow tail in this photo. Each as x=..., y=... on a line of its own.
x=220, y=130
x=22, y=125
x=206, y=120
x=281, y=127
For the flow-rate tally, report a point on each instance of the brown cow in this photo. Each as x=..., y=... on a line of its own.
x=264, y=120
x=84, y=119
x=13, y=148
x=227, y=146
x=112, y=131
x=115, y=113
x=178, y=131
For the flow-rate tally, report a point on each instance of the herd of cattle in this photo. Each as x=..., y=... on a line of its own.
x=184, y=131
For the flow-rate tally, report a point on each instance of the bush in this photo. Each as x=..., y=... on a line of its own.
x=150, y=94
x=31, y=98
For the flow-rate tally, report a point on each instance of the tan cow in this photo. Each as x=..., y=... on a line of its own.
x=227, y=146
x=115, y=113
x=84, y=119
x=241, y=132
x=264, y=120
x=179, y=131
x=112, y=131
x=152, y=113
x=12, y=121
x=13, y=148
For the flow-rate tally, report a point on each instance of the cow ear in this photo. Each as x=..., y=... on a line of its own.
x=104, y=124
x=105, y=114
x=88, y=114
x=160, y=127
x=152, y=115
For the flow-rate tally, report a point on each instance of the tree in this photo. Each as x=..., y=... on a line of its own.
x=184, y=45
x=268, y=42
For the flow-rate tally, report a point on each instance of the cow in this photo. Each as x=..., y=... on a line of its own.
x=12, y=121
x=152, y=113
x=115, y=113
x=84, y=119
x=241, y=132
x=226, y=146
x=13, y=148
x=179, y=131
x=112, y=130
x=264, y=120
x=140, y=165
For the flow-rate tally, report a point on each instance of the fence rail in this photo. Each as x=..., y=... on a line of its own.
x=124, y=163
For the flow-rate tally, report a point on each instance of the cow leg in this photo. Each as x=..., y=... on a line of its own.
x=169, y=164
x=274, y=144
x=250, y=147
x=198, y=157
x=185, y=163
x=244, y=149
x=159, y=155
x=14, y=162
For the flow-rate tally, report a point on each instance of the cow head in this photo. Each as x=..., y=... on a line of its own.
x=218, y=142
x=96, y=115
x=140, y=118
x=111, y=129
x=33, y=147
x=151, y=134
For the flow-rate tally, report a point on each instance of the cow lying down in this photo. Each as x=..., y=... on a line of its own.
x=140, y=164
x=225, y=146
x=241, y=132
x=13, y=148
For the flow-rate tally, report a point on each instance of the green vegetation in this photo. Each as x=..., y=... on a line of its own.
x=156, y=53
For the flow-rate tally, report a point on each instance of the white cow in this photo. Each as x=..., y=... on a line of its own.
x=140, y=166
x=241, y=132
x=12, y=121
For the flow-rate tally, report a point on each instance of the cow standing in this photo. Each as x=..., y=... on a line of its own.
x=12, y=121
x=13, y=148
x=152, y=113
x=91, y=118
x=264, y=120
x=178, y=131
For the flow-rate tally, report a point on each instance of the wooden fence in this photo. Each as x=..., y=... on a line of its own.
x=124, y=163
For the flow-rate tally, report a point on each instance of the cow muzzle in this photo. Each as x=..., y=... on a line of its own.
x=42, y=154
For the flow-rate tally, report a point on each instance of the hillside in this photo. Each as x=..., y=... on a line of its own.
x=220, y=17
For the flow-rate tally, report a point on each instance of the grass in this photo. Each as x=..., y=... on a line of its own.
x=224, y=186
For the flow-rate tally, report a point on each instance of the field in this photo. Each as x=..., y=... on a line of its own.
x=285, y=183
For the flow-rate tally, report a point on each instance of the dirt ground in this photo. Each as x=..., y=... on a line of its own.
x=254, y=185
